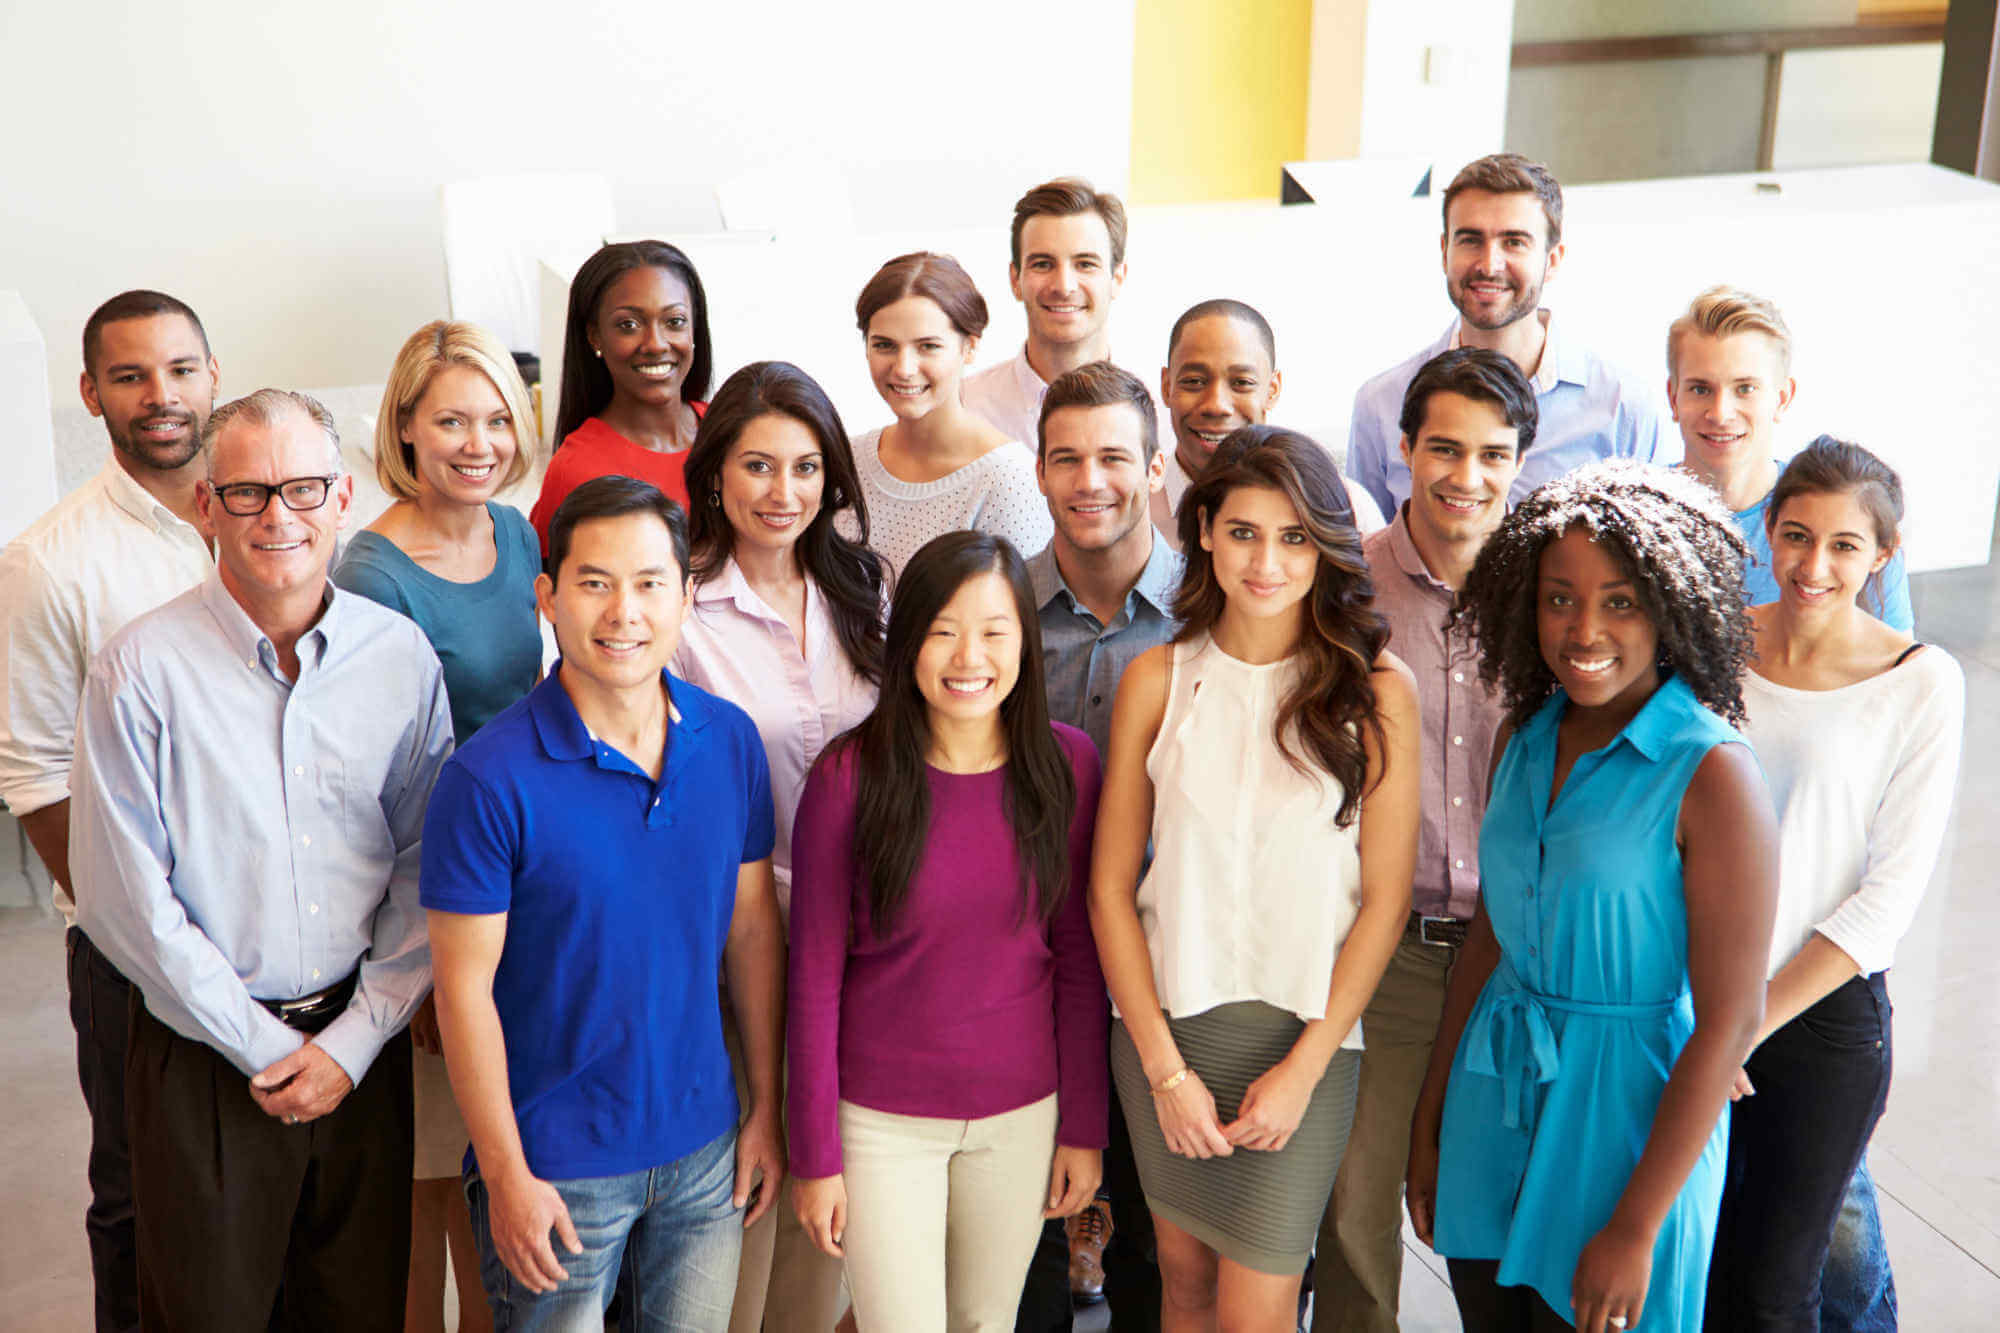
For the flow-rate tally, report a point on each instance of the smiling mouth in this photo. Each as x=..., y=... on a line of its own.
x=1064, y=309
x=1812, y=593
x=1589, y=668
x=657, y=370
x=619, y=647
x=1093, y=509
x=1262, y=589
x=909, y=390
x=164, y=427
x=967, y=688
x=474, y=471
x=1459, y=505
x=276, y=547
x=1720, y=441
x=780, y=520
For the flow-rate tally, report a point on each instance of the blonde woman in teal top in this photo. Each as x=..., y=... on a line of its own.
x=1569, y=1143
x=454, y=431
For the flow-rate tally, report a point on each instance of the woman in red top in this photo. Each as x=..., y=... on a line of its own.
x=636, y=367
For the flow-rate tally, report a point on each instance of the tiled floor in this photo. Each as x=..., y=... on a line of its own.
x=1936, y=1156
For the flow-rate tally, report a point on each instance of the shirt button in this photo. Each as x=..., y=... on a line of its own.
x=1458, y=740
x=298, y=770
x=312, y=909
x=306, y=840
x=1458, y=800
x=251, y=665
x=315, y=975
x=1458, y=865
x=656, y=800
x=1096, y=698
x=1458, y=676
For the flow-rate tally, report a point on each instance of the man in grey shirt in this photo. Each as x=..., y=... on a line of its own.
x=1104, y=587
x=253, y=761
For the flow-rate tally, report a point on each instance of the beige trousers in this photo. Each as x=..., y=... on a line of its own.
x=943, y=1215
x=1357, y=1277
x=784, y=1284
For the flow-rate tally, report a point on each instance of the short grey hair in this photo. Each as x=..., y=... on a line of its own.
x=267, y=407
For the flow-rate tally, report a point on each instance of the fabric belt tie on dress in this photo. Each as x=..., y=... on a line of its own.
x=1519, y=1047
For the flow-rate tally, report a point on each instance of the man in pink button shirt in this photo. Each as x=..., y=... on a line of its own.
x=1468, y=416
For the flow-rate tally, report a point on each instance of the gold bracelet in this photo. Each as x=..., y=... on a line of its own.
x=1171, y=1081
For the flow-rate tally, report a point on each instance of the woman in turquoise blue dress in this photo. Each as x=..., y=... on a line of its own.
x=1570, y=1141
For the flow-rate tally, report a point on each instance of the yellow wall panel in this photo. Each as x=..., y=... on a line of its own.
x=1218, y=97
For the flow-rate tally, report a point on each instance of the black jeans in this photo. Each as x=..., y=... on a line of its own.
x=98, y=996
x=1131, y=1268
x=1822, y=1081
x=1484, y=1306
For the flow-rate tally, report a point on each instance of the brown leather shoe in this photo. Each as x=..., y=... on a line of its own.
x=1088, y=1231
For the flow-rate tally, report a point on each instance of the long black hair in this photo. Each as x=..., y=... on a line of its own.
x=1320, y=719
x=586, y=384
x=849, y=575
x=892, y=817
x=1669, y=534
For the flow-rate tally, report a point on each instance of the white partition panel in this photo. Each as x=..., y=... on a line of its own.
x=29, y=471
x=1886, y=275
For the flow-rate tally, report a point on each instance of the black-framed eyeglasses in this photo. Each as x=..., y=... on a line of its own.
x=247, y=499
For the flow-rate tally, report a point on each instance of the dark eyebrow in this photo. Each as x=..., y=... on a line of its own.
x=1506, y=231
x=134, y=365
x=1074, y=254
x=676, y=306
x=597, y=569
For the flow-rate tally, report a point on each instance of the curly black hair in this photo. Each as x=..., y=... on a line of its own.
x=1669, y=533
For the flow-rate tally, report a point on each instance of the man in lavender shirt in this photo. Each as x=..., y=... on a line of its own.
x=1467, y=417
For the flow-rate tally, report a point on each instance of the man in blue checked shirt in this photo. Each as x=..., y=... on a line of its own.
x=253, y=762
x=1502, y=243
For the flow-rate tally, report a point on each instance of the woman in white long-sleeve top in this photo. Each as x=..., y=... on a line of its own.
x=1859, y=730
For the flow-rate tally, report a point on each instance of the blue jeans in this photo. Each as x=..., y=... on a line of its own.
x=668, y=1239
x=1857, y=1292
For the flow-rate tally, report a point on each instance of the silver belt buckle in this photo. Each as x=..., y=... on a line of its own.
x=1450, y=932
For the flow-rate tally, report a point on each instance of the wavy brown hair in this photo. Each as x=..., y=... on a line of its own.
x=849, y=575
x=892, y=815
x=1669, y=534
x=1319, y=721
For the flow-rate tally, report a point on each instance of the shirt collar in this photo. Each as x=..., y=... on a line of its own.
x=1652, y=729
x=1558, y=363
x=1032, y=385
x=250, y=644
x=561, y=729
x=136, y=500
x=1661, y=717
x=1408, y=558
x=1157, y=584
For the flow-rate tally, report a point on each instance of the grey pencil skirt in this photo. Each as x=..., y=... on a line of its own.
x=1259, y=1209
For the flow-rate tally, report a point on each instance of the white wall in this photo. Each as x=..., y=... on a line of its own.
x=1395, y=79
x=276, y=163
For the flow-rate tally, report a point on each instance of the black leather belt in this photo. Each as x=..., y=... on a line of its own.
x=1446, y=932
x=311, y=1013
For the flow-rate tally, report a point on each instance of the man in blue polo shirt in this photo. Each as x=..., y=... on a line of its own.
x=591, y=859
x=1502, y=242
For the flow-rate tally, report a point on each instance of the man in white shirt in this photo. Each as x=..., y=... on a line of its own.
x=1068, y=264
x=1221, y=374
x=120, y=545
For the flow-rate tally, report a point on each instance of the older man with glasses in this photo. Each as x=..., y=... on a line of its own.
x=253, y=762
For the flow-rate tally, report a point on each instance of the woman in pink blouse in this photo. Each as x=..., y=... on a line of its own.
x=787, y=625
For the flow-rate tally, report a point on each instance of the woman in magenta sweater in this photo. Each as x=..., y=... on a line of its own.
x=946, y=1015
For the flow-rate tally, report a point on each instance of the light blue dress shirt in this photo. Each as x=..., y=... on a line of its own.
x=236, y=836
x=1589, y=410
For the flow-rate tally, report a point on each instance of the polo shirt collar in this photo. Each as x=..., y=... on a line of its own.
x=250, y=644
x=1560, y=362
x=560, y=729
